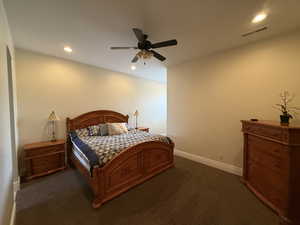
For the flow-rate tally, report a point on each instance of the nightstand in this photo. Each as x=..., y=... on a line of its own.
x=143, y=129
x=44, y=158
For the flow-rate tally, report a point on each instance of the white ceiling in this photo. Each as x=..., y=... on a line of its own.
x=90, y=27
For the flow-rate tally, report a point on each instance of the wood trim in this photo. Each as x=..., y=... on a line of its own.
x=274, y=124
x=43, y=144
x=131, y=167
x=262, y=198
x=245, y=156
x=280, y=213
x=45, y=173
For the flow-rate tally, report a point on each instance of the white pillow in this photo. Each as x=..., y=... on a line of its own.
x=117, y=128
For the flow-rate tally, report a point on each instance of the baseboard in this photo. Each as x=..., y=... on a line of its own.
x=16, y=187
x=210, y=162
x=13, y=214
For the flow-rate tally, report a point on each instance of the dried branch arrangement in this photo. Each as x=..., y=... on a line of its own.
x=284, y=106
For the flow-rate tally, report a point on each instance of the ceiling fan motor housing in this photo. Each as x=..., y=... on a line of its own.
x=145, y=45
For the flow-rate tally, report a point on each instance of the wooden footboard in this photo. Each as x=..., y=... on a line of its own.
x=131, y=167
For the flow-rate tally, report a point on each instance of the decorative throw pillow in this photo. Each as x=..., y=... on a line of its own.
x=103, y=129
x=94, y=130
x=117, y=128
x=82, y=132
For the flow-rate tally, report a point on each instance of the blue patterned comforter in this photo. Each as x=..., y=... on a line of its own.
x=107, y=147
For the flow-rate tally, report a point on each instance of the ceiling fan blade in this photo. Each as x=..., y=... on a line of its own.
x=164, y=44
x=115, y=48
x=135, y=59
x=139, y=34
x=158, y=56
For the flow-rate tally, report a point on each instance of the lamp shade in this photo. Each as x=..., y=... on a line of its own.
x=53, y=117
x=136, y=113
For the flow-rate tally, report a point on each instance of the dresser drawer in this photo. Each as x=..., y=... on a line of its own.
x=268, y=154
x=276, y=165
x=273, y=186
x=44, y=150
x=266, y=131
x=268, y=147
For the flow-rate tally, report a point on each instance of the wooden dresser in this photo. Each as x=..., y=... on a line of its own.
x=272, y=166
x=43, y=158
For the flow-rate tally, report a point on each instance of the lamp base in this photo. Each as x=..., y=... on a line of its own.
x=53, y=139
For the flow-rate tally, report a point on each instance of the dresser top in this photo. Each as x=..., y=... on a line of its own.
x=293, y=124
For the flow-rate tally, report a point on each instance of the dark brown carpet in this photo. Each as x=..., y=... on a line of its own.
x=190, y=194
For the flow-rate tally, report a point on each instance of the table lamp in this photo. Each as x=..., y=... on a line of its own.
x=136, y=114
x=52, y=119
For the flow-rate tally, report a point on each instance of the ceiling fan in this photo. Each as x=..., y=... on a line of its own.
x=146, y=47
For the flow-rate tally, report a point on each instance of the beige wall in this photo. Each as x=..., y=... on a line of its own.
x=7, y=152
x=48, y=83
x=209, y=96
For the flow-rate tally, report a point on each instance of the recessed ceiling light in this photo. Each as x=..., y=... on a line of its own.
x=133, y=67
x=68, y=49
x=259, y=17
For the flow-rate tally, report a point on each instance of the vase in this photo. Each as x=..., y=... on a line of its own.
x=284, y=119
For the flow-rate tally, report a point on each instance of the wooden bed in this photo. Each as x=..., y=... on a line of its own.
x=131, y=167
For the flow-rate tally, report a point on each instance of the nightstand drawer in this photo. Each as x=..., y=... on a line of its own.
x=43, y=164
x=45, y=150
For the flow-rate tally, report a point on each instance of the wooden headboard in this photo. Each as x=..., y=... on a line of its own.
x=94, y=118
x=89, y=119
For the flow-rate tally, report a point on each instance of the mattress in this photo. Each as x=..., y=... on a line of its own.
x=98, y=150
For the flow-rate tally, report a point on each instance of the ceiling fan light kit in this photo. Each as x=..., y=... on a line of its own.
x=144, y=54
x=146, y=47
